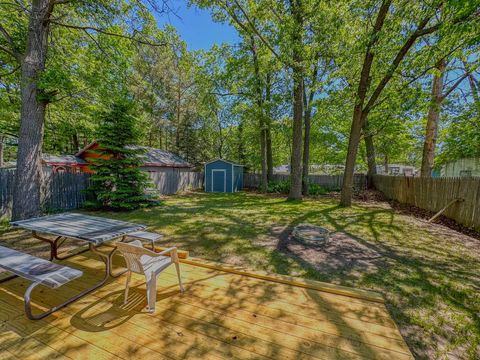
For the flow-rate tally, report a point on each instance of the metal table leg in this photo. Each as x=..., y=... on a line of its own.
x=110, y=259
x=27, y=297
x=55, y=245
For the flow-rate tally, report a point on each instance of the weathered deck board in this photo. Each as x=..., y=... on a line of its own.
x=221, y=316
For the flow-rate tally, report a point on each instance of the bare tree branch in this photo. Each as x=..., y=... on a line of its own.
x=106, y=32
x=455, y=85
x=256, y=31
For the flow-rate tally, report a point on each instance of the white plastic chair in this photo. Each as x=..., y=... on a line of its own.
x=143, y=261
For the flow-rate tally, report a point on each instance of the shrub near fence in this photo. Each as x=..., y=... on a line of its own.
x=434, y=194
x=330, y=182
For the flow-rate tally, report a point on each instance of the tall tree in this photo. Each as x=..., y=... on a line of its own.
x=438, y=96
x=367, y=97
x=31, y=56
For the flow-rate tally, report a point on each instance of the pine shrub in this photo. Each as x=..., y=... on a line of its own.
x=118, y=182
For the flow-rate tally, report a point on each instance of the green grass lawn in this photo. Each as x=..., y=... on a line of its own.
x=429, y=275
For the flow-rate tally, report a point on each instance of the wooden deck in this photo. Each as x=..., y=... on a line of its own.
x=222, y=315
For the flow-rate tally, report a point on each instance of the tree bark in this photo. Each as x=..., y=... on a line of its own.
x=1, y=152
x=268, y=128
x=26, y=196
x=371, y=157
x=433, y=118
x=306, y=147
x=474, y=89
x=297, y=72
x=358, y=112
x=261, y=115
x=178, y=117
x=353, y=142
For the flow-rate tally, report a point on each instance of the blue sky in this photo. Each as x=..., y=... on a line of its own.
x=196, y=26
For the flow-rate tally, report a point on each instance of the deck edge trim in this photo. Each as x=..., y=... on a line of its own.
x=289, y=280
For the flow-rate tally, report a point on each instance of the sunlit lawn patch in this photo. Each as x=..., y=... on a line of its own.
x=427, y=274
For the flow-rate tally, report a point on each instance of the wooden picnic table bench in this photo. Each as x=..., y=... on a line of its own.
x=40, y=272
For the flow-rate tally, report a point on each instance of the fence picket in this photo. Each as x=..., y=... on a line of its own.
x=434, y=193
x=333, y=182
x=66, y=191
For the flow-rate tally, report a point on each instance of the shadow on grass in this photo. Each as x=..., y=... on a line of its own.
x=430, y=283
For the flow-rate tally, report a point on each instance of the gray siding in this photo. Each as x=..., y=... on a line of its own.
x=168, y=181
x=462, y=167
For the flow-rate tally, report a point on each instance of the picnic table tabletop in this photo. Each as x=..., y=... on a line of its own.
x=93, y=229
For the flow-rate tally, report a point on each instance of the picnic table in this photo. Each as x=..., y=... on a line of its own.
x=91, y=230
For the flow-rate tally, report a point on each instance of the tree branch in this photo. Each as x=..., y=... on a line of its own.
x=454, y=86
x=396, y=62
x=421, y=31
x=12, y=51
x=106, y=32
x=10, y=72
x=255, y=30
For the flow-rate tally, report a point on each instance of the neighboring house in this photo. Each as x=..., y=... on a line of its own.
x=281, y=169
x=154, y=160
x=64, y=163
x=461, y=168
x=397, y=169
x=316, y=169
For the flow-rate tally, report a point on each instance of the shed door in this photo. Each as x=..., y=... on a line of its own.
x=219, y=180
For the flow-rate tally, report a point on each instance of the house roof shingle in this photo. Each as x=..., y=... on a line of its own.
x=158, y=157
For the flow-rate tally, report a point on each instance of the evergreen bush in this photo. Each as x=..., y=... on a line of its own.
x=118, y=182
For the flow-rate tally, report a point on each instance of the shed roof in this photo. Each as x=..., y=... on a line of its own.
x=227, y=161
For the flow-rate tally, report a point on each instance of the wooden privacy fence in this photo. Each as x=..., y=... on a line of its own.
x=330, y=182
x=65, y=191
x=434, y=194
x=60, y=191
x=170, y=181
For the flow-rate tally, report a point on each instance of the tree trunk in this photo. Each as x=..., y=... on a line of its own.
x=385, y=164
x=26, y=196
x=241, y=144
x=371, y=158
x=261, y=115
x=297, y=72
x=474, y=89
x=178, y=117
x=354, y=141
x=307, y=103
x=432, y=120
x=296, y=161
x=359, y=115
x=75, y=142
x=306, y=139
x=268, y=127
x=1, y=151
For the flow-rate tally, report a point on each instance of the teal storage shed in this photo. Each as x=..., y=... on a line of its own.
x=223, y=176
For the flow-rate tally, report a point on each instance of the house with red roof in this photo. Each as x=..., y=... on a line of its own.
x=154, y=160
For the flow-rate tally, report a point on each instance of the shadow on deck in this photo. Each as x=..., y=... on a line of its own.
x=222, y=315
